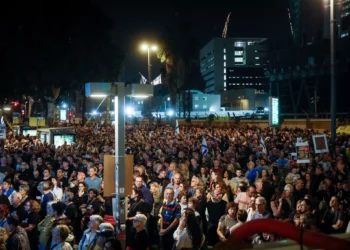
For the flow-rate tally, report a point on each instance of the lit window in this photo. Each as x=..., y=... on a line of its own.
x=224, y=70
x=257, y=64
x=224, y=57
x=239, y=44
x=196, y=98
x=204, y=106
x=204, y=98
x=224, y=64
x=224, y=50
x=257, y=57
x=238, y=52
x=196, y=106
x=224, y=77
x=238, y=59
x=225, y=84
x=224, y=89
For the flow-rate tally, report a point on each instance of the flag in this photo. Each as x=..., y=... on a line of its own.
x=96, y=129
x=262, y=144
x=177, y=128
x=143, y=79
x=158, y=80
x=204, y=147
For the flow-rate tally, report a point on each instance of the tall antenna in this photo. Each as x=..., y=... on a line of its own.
x=224, y=33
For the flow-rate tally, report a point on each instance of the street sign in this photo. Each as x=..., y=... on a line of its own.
x=274, y=113
x=2, y=131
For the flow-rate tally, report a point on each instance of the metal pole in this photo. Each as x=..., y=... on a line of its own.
x=119, y=106
x=332, y=73
x=315, y=101
x=149, y=66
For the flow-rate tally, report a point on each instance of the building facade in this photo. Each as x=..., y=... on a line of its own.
x=234, y=63
x=345, y=18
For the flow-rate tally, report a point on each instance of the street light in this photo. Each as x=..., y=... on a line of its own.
x=332, y=74
x=148, y=48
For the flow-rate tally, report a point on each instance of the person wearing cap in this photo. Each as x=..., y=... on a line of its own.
x=106, y=231
x=140, y=240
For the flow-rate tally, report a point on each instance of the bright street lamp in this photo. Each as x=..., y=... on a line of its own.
x=148, y=48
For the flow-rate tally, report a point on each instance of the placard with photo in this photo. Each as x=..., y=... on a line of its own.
x=320, y=144
x=303, y=152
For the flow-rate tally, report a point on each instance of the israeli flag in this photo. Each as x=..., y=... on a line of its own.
x=96, y=129
x=143, y=79
x=157, y=81
x=177, y=128
x=204, y=147
x=262, y=144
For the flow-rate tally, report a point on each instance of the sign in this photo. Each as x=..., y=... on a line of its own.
x=274, y=114
x=3, y=131
x=303, y=152
x=320, y=144
x=63, y=114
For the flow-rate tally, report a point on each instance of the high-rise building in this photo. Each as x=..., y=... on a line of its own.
x=232, y=63
x=345, y=18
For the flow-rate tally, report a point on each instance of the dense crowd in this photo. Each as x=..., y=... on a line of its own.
x=182, y=197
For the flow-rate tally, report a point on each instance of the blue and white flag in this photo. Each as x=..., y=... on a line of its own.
x=158, y=80
x=177, y=128
x=96, y=129
x=262, y=144
x=143, y=79
x=204, y=147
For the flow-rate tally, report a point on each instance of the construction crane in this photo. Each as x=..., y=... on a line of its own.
x=224, y=33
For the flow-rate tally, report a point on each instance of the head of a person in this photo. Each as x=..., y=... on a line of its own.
x=60, y=233
x=44, y=186
x=169, y=194
x=288, y=190
x=16, y=198
x=24, y=189
x=177, y=178
x=138, y=182
x=68, y=197
x=32, y=206
x=92, y=171
x=231, y=209
x=193, y=203
x=93, y=193
x=59, y=173
x=106, y=231
x=242, y=215
x=305, y=206
x=216, y=195
x=6, y=184
x=57, y=208
x=139, y=221
x=260, y=204
x=194, y=181
x=154, y=188
x=334, y=202
x=95, y=221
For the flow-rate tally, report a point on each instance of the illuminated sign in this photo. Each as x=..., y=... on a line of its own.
x=274, y=111
x=63, y=115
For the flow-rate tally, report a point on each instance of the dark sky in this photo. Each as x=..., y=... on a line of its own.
x=136, y=22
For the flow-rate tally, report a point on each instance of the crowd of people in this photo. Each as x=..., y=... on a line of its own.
x=182, y=197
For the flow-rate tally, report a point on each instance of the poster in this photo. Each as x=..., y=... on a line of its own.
x=303, y=152
x=320, y=144
x=3, y=131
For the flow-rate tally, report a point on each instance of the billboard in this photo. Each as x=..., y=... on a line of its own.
x=274, y=112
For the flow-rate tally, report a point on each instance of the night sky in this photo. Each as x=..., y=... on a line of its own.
x=135, y=22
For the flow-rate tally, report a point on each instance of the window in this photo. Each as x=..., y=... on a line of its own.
x=196, y=106
x=225, y=84
x=257, y=64
x=205, y=98
x=224, y=77
x=224, y=70
x=196, y=98
x=224, y=64
x=224, y=57
x=238, y=52
x=224, y=89
x=224, y=50
x=204, y=106
x=256, y=57
x=239, y=44
x=238, y=59
x=250, y=43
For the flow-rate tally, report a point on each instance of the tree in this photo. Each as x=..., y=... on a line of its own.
x=179, y=50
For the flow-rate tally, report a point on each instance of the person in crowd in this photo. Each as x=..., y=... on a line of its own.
x=333, y=220
x=227, y=221
x=105, y=232
x=112, y=244
x=59, y=235
x=4, y=212
x=56, y=188
x=3, y=238
x=17, y=208
x=30, y=223
x=188, y=234
x=140, y=239
x=18, y=238
x=45, y=226
x=241, y=218
x=47, y=196
x=89, y=238
x=93, y=181
x=70, y=210
x=7, y=188
x=169, y=219
x=24, y=190
x=261, y=212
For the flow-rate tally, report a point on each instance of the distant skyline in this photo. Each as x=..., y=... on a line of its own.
x=138, y=22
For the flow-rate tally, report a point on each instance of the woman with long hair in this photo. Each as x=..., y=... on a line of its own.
x=188, y=234
x=30, y=223
x=56, y=188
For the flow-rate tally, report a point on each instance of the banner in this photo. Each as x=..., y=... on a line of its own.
x=303, y=152
x=320, y=144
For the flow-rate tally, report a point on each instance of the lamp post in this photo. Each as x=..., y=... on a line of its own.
x=332, y=74
x=149, y=48
x=103, y=90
